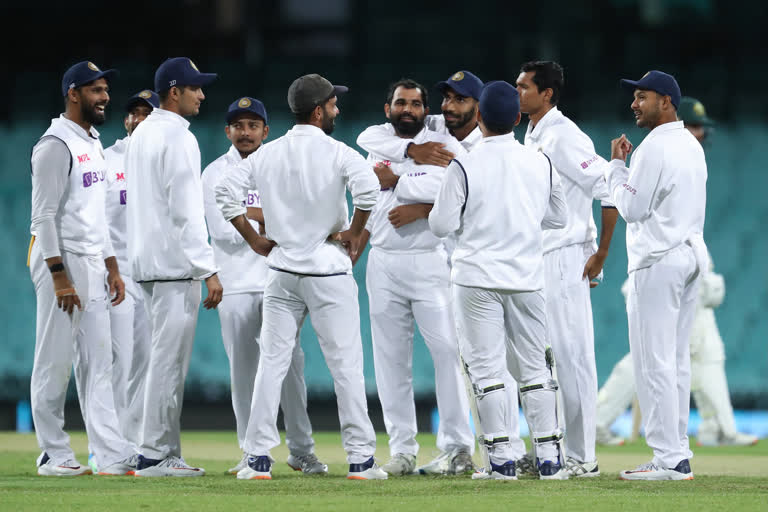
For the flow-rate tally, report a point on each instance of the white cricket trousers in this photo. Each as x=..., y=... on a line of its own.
x=332, y=304
x=571, y=334
x=660, y=308
x=172, y=308
x=403, y=287
x=616, y=394
x=486, y=319
x=81, y=338
x=131, y=341
x=240, y=317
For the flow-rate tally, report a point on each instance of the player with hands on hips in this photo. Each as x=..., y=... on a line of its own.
x=243, y=274
x=662, y=197
x=303, y=177
x=169, y=255
x=76, y=275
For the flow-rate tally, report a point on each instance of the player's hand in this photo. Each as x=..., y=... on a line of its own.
x=593, y=268
x=430, y=153
x=263, y=245
x=620, y=148
x=407, y=213
x=215, y=292
x=116, y=287
x=66, y=295
x=350, y=241
x=387, y=178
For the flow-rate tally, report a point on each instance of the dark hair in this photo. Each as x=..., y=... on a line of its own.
x=304, y=117
x=407, y=83
x=163, y=95
x=547, y=75
x=498, y=128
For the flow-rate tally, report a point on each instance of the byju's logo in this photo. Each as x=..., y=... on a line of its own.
x=91, y=177
x=87, y=179
x=123, y=196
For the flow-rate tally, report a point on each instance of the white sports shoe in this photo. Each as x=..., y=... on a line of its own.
x=307, y=464
x=652, y=471
x=169, y=466
x=608, y=438
x=240, y=465
x=504, y=471
x=400, y=464
x=124, y=467
x=257, y=468
x=737, y=439
x=367, y=470
x=71, y=467
x=440, y=465
x=581, y=469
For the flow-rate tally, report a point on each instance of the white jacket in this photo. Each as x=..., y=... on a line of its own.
x=382, y=141
x=242, y=270
x=417, y=184
x=573, y=155
x=302, y=177
x=662, y=196
x=167, y=237
x=498, y=197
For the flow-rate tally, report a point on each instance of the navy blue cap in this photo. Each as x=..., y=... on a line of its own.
x=147, y=97
x=180, y=71
x=464, y=83
x=246, y=105
x=499, y=103
x=83, y=73
x=657, y=81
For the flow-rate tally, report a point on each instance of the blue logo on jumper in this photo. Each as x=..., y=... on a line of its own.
x=122, y=196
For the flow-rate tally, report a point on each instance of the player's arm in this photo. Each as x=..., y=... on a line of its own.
x=219, y=229
x=361, y=243
x=445, y=217
x=51, y=164
x=556, y=216
x=229, y=191
x=381, y=140
x=632, y=190
x=364, y=187
x=185, y=198
x=595, y=263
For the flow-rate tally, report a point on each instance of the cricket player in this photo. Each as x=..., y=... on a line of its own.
x=709, y=385
x=302, y=178
x=662, y=197
x=169, y=255
x=129, y=324
x=75, y=273
x=408, y=279
x=243, y=273
x=498, y=198
x=573, y=262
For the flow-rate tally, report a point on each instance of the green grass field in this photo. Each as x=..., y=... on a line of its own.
x=726, y=479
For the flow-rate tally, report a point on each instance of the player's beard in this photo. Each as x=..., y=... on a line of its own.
x=91, y=115
x=407, y=128
x=461, y=119
x=328, y=123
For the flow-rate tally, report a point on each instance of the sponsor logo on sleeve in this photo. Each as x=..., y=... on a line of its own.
x=630, y=189
x=589, y=162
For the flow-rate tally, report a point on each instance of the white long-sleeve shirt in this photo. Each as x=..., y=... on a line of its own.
x=573, y=155
x=417, y=184
x=116, y=202
x=68, y=172
x=167, y=236
x=382, y=141
x=302, y=177
x=662, y=195
x=242, y=270
x=497, y=197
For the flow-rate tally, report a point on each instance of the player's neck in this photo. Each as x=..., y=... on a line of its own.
x=463, y=132
x=535, y=117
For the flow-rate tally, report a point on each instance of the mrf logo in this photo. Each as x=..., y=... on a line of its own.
x=83, y=158
x=91, y=177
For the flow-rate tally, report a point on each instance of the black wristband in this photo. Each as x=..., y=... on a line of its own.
x=56, y=267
